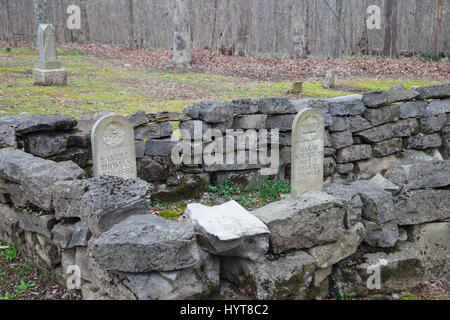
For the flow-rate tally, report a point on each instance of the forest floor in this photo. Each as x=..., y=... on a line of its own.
x=114, y=79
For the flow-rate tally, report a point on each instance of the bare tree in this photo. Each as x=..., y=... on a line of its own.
x=40, y=12
x=10, y=29
x=337, y=30
x=390, y=32
x=130, y=13
x=182, y=35
x=437, y=32
x=85, y=21
x=300, y=30
x=240, y=27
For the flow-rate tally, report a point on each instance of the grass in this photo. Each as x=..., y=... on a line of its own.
x=101, y=84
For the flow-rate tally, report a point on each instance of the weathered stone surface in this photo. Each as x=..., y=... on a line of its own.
x=382, y=115
x=329, y=254
x=46, y=144
x=146, y=243
x=7, y=136
x=445, y=147
x=377, y=134
x=385, y=184
x=346, y=106
x=288, y=277
x=405, y=128
x=308, y=130
x=190, y=186
x=67, y=235
x=34, y=220
x=61, y=235
x=358, y=123
x=38, y=180
x=163, y=116
x=281, y=122
x=28, y=123
x=194, y=129
x=138, y=118
x=57, y=77
x=435, y=92
x=403, y=271
x=313, y=218
x=153, y=131
x=14, y=162
x=140, y=149
x=387, y=147
x=161, y=148
x=82, y=261
x=245, y=106
x=412, y=109
x=155, y=168
x=433, y=240
x=421, y=175
x=393, y=94
x=229, y=230
x=252, y=121
x=344, y=167
x=371, y=167
x=246, y=180
x=113, y=147
x=276, y=106
x=12, y=191
x=355, y=204
x=198, y=281
x=424, y=141
x=437, y=107
x=354, y=153
x=100, y=202
x=340, y=124
x=210, y=111
x=378, y=205
x=42, y=248
x=432, y=124
x=328, y=166
x=381, y=235
x=342, y=139
x=422, y=206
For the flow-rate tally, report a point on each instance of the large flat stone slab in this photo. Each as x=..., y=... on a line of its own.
x=28, y=123
x=147, y=243
x=314, y=218
x=229, y=230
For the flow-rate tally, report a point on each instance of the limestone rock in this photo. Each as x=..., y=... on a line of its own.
x=311, y=219
x=153, y=131
x=276, y=106
x=435, y=92
x=437, y=107
x=346, y=106
x=34, y=220
x=385, y=184
x=288, y=277
x=229, y=230
x=14, y=162
x=161, y=148
x=422, y=206
x=424, y=141
x=46, y=144
x=412, y=109
x=405, y=128
x=146, y=243
x=383, y=235
x=245, y=106
x=433, y=174
x=138, y=118
x=433, y=124
x=355, y=204
x=382, y=115
x=252, y=121
x=387, y=147
x=393, y=94
x=7, y=136
x=358, y=123
x=281, y=122
x=329, y=254
x=342, y=139
x=29, y=123
x=210, y=111
x=354, y=153
x=377, y=134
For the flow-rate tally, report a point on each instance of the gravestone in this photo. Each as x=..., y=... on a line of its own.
x=113, y=147
x=48, y=70
x=308, y=135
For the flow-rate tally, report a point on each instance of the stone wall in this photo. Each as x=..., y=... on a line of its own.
x=393, y=204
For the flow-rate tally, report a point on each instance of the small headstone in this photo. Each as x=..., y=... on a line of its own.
x=113, y=147
x=329, y=82
x=48, y=71
x=308, y=137
x=297, y=88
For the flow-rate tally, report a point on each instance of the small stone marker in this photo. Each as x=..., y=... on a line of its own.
x=113, y=147
x=308, y=135
x=48, y=71
x=329, y=82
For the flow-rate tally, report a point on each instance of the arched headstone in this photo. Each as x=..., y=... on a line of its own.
x=113, y=147
x=308, y=135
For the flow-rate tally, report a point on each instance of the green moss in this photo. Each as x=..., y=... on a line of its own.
x=289, y=288
x=174, y=211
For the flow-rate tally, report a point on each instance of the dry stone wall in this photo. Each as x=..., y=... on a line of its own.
x=386, y=198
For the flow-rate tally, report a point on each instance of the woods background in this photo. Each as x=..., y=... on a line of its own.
x=333, y=27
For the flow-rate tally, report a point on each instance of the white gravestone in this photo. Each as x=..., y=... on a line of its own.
x=113, y=147
x=48, y=71
x=308, y=135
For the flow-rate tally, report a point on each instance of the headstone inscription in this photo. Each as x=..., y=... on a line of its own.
x=48, y=71
x=308, y=135
x=113, y=147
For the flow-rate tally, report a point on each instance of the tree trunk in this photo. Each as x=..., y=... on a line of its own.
x=40, y=12
x=9, y=25
x=300, y=30
x=213, y=32
x=182, y=35
x=85, y=21
x=240, y=27
x=437, y=32
x=390, y=32
x=337, y=30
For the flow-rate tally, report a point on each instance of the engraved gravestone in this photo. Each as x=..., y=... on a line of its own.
x=48, y=71
x=113, y=147
x=308, y=135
